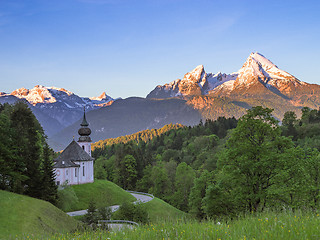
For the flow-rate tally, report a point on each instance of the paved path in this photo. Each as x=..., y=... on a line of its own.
x=140, y=198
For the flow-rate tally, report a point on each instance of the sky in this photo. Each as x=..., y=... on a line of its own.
x=128, y=47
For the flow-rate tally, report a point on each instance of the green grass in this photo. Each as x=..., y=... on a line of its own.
x=160, y=211
x=102, y=192
x=285, y=225
x=21, y=214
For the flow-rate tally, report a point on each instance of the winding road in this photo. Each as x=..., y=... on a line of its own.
x=141, y=198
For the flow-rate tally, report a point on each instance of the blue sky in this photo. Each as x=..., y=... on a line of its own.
x=127, y=47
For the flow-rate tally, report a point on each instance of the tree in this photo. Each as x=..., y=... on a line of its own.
x=160, y=181
x=198, y=192
x=91, y=217
x=29, y=139
x=49, y=193
x=126, y=172
x=289, y=121
x=184, y=181
x=256, y=154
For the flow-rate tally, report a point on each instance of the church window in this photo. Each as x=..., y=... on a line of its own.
x=58, y=183
x=83, y=170
x=67, y=172
x=83, y=147
x=75, y=172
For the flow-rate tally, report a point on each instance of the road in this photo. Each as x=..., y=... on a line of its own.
x=140, y=198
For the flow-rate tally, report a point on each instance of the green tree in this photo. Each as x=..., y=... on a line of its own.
x=289, y=122
x=255, y=155
x=184, y=182
x=91, y=217
x=160, y=181
x=100, y=168
x=49, y=193
x=29, y=139
x=198, y=192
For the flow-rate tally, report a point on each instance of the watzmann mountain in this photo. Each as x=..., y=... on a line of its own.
x=258, y=77
x=258, y=82
x=197, y=95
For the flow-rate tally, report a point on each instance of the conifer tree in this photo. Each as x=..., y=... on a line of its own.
x=50, y=193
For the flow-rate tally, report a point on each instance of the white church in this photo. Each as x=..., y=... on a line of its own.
x=75, y=164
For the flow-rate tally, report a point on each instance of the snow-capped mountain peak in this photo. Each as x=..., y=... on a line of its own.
x=258, y=65
x=38, y=94
x=103, y=96
x=196, y=75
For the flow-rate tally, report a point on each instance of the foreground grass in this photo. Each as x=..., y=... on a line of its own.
x=21, y=214
x=102, y=192
x=285, y=225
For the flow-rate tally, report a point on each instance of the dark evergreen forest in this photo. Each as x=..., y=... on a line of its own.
x=223, y=167
x=25, y=157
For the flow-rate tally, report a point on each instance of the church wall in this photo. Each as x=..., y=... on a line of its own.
x=67, y=174
x=87, y=177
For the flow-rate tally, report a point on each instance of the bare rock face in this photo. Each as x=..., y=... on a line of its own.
x=194, y=83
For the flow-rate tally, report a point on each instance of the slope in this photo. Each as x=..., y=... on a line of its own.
x=25, y=215
x=128, y=116
x=144, y=135
x=101, y=192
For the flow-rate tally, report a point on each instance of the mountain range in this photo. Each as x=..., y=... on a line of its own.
x=199, y=94
x=55, y=108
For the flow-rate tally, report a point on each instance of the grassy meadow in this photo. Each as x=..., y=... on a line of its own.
x=284, y=225
x=102, y=192
x=21, y=214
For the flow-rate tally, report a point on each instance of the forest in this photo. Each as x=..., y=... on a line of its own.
x=223, y=167
x=25, y=157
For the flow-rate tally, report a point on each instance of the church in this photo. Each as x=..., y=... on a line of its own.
x=75, y=164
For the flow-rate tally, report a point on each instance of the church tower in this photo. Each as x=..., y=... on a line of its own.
x=84, y=132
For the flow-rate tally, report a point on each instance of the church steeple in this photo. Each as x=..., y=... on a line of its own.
x=84, y=132
x=84, y=120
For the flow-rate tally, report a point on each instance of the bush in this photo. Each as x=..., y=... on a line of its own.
x=132, y=212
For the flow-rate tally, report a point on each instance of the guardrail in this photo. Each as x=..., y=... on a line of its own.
x=118, y=221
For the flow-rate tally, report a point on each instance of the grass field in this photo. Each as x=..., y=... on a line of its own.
x=102, y=192
x=21, y=214
x=285, y=225
x=160, y=211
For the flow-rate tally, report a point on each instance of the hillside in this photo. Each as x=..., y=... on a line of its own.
x=102, y=192
x=128, y=116
x=144, y=135
x=160, y=211
x=25, y=215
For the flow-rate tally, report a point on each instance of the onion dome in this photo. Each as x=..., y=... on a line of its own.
x=84, y=131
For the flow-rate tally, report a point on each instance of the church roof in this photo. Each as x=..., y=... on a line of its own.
x=71, y=154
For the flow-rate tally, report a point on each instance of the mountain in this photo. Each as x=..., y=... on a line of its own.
x=258, y=81
x=196, y=82
x=128, y=116
x=55, y=108
x=197, y=95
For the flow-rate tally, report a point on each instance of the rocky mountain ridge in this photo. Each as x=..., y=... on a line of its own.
x=257, y=72
x=56, y=106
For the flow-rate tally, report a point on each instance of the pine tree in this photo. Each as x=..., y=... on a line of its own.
x=28, y=140
x=50, y=193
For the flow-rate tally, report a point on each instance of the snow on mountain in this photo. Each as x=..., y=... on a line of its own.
x=46, y=95
x=195, y=82
x=256, y=70
x=58, y=104
x=103, y=97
